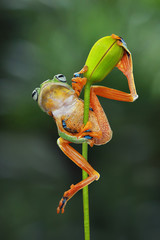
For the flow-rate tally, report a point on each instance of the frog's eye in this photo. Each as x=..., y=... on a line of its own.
x=35, y=95
x=61, y=77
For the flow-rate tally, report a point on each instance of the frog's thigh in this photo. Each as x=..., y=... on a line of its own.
x=102, y=119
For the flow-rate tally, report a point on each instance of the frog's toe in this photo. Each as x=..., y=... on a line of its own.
x=85, y=129
x=62, y=205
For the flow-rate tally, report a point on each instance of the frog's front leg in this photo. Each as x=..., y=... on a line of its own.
x=78, y=82
x=80, y=161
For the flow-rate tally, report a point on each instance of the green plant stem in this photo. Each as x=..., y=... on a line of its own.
x=84, y=174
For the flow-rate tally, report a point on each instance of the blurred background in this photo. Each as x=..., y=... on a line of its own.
x=40, y=38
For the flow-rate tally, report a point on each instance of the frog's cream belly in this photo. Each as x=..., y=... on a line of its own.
x=74, y=118
x=66, y=108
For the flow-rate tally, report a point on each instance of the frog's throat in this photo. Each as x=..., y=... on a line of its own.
x=66, y=108
x=56, y=98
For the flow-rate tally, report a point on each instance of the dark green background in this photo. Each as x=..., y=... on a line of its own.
x=40, y=38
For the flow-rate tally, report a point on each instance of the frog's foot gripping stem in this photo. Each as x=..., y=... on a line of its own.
x=87, y=133
x=80, y=161
x=78, y=82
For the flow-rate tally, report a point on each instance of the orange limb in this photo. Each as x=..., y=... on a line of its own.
x=125, y=65
x=101, y=118
x=83, y=70
x=80, y=161
x=85, y=130
x=113, y=94
x=78, y=82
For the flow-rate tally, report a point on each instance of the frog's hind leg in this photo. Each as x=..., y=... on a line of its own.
x=80, y=161
x=102, y=119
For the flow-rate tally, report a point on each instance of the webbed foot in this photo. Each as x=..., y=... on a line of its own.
x=78, y=82
x=87, y=132
x=62, y=204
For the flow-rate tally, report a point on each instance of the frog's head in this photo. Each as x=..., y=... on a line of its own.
x=59, y=78
x=52, y=94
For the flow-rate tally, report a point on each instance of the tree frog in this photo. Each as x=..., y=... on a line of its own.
x=61, y=101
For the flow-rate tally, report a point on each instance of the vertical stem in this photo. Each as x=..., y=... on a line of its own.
x=84, y=174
